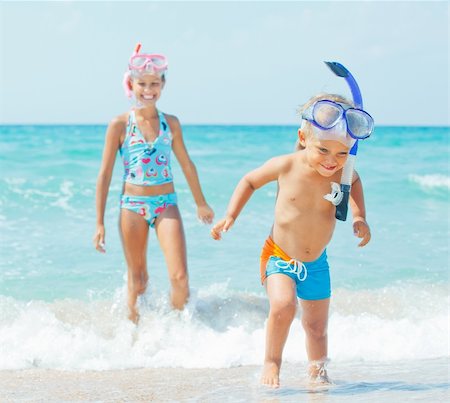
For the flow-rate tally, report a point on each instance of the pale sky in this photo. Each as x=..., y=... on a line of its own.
x=229, y=62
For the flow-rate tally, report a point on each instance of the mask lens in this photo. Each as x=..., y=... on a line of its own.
x=138, y=62
x=359, y=123
x=158, y=61
x=327, y=114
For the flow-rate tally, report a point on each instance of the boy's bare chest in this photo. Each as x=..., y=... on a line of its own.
x=300, y=193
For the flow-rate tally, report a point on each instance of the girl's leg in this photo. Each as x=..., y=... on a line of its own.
x=169, y=229
x=283, y=304
x=134, y=234
x=315, y=323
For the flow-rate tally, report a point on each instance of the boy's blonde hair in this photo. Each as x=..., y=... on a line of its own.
x=311, y=101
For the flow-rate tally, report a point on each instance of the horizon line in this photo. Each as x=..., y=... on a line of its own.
x=221, y=124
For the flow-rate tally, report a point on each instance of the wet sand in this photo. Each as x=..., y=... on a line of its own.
x=137, y=385
x=419, y=381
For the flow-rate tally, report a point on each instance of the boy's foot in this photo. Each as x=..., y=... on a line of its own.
x=318, y=374
x=271, y=375
x=320, y=379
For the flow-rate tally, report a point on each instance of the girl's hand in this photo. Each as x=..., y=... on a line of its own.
x=205, y=214
x=222, y=226
x=361, y=230
x=99, y=239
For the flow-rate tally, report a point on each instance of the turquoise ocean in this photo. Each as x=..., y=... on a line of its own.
x=62, y=304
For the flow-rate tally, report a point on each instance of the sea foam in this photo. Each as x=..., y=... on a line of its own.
x=219, y=328
x=431, y=181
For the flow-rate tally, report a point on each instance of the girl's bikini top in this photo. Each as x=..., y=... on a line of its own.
x=147, y=164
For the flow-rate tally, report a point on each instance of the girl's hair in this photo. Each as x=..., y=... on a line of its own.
x=311, y=101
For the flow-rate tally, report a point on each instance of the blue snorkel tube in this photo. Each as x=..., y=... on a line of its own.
x=347, y=170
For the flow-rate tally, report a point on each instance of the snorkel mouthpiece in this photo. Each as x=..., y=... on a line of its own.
x=347, y=170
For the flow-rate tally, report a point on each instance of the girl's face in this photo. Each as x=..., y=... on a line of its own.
x=326, y=157
x=147, y=88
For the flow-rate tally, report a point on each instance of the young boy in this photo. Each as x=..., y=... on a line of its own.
x=293, y=260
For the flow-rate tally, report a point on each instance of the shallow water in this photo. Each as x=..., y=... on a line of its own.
x=62, y=305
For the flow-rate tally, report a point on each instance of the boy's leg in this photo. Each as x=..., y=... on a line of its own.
x=283, y=304
x=315, y=323
x=169, y=229
x=134, y=234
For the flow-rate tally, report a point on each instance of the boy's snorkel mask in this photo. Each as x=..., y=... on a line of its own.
x=334, y=121
x=337, y=121
x=141, y=64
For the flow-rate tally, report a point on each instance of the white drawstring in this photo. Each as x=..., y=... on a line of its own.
x=298, y=268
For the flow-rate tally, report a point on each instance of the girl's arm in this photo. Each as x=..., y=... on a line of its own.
x=112, y=144
x=360, y=227
x=255, y=179
x=204, y=212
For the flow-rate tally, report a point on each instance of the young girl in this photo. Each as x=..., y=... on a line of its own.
x=145, y=138
x=294, y=260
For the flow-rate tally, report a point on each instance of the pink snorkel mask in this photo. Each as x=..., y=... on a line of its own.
x=140, y=64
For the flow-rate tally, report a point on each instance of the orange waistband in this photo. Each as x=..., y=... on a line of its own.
x=270, y=248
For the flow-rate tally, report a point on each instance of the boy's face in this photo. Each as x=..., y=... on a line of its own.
x=325, y=156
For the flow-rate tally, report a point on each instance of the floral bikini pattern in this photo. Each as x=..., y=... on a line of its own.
x=149, y=207
x=146, y=163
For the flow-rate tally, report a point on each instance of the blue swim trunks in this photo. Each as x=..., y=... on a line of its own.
x=312, y=279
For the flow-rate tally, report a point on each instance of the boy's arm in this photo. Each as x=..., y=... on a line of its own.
x=360, y=227
x=247, y=185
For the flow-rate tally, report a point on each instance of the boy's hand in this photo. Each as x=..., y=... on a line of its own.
x=205, y=214
x=361, y=230
x=221, y=226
